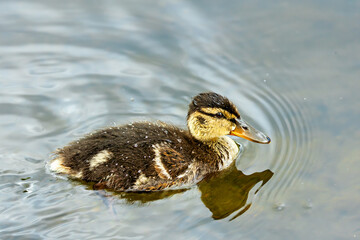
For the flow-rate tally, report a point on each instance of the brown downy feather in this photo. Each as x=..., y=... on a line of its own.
x=131, y=149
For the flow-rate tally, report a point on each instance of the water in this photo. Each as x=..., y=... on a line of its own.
x=292, y=69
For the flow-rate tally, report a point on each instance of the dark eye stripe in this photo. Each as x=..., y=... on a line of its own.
x=212, y=115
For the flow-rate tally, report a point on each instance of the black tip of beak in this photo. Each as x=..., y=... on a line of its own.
x=269, y=140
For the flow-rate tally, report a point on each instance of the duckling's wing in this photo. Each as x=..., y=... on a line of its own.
x=168, y=162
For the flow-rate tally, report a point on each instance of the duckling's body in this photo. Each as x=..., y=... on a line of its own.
x=146, y=156
x=143, y=156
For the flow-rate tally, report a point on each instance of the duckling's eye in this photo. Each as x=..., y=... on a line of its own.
x=219, y=115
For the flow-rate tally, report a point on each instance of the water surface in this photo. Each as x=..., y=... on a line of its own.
x=292, y=69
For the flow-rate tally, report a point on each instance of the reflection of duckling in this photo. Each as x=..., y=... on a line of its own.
x=228, y=191
x=146, y=156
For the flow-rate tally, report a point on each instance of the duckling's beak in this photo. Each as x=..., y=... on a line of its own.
x=245, y=130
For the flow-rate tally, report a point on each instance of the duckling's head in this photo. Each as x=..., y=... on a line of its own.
x=211, y=116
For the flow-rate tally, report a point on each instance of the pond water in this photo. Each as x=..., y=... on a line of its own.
x=67, y=68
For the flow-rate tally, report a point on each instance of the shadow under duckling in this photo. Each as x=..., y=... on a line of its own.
x=146, y=156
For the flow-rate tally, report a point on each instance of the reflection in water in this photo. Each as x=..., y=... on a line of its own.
x=144, y=197
x=228, y=191
x=222, y=193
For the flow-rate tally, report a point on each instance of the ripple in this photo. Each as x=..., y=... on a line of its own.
x=66, y=60
x=291, y=133
x=135, y=72
x=46, y=70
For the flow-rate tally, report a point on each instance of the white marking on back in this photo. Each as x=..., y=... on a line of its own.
x=158, y=163
x=100, y=158
x=77, y=175
x=189, y=170
x=141, y=180
x=56, y=165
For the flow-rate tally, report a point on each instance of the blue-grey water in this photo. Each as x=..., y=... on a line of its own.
x=292, y=68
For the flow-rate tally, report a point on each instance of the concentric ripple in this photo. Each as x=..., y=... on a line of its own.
x=290, y=154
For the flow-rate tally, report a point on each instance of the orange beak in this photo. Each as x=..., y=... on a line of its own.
x=244, y=130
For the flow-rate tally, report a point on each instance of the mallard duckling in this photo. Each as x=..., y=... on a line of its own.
x=145, y=156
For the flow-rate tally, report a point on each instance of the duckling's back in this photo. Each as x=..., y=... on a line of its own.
x=139, y=156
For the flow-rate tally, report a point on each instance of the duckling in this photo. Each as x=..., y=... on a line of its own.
x=147, y=156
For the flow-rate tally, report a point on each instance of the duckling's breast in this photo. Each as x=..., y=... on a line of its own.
x=228, y=150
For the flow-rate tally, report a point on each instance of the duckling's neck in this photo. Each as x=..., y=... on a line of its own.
x=225, y=148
